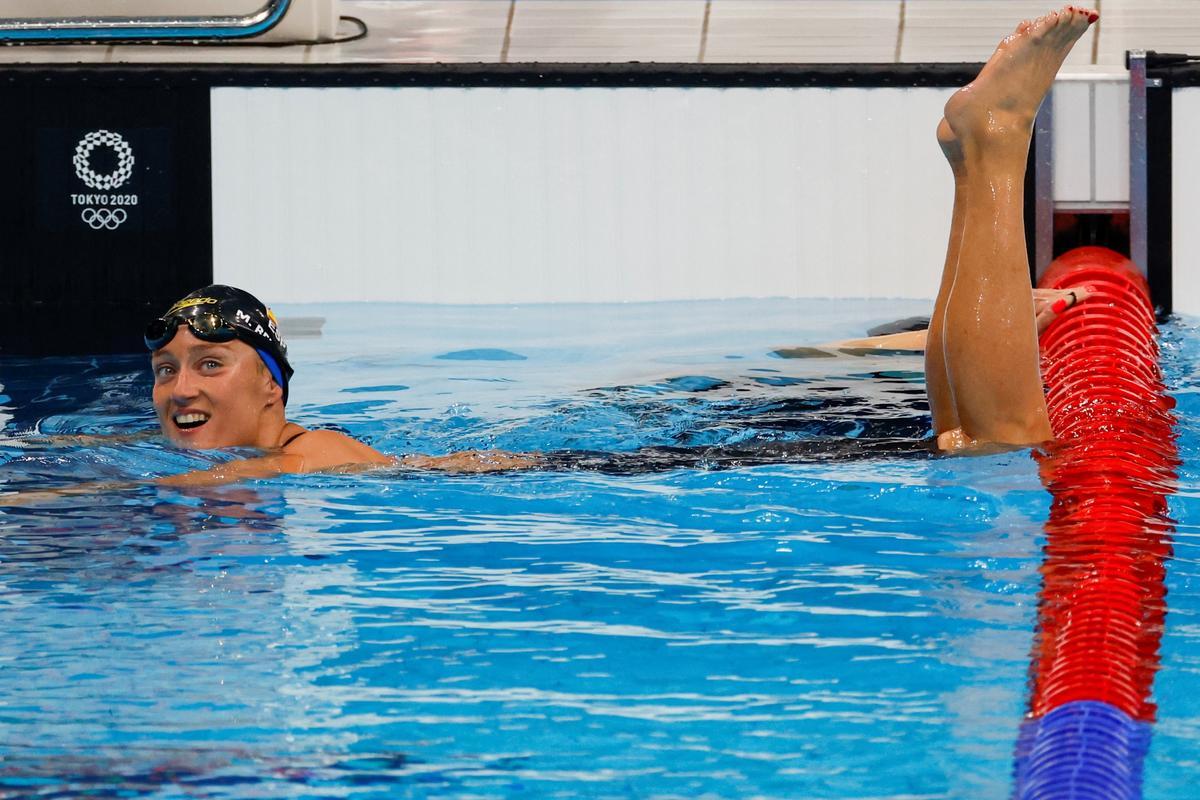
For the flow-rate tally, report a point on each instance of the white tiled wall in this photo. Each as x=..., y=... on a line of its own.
x=600, y=30
x=827, y=31
x=534, y=195
x=966, y=30
x=844, y=31
x=448, y=30
x=1169, y=26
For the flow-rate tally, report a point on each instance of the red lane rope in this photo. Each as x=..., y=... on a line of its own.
x=1108, y=536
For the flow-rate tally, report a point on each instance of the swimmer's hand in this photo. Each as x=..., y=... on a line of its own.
x=18, y=499
x=43, y=496
x=1050, y=303
x=473, y=461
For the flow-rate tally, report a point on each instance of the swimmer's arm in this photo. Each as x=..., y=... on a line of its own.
x=76, y=439
x=247, y=469
x=1048, y=305
x=314, y=451
x=474, y=461
x=36, y=496
x=906, y=340
x=319, y=453
x=325, y=450
x=467, y=461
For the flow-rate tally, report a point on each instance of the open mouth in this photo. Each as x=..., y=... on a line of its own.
x=190, y=422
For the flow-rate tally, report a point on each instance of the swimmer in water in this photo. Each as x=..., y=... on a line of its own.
x=982, y=367
x=221, y=371
x=221, y=377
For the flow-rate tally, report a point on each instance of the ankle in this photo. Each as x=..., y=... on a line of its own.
x=1000, y=148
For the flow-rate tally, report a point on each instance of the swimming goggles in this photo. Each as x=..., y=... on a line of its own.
x=208, y=326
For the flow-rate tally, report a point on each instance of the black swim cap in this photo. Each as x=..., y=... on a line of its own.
x=220, y=313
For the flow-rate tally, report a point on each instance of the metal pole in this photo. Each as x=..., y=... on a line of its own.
x=1138, y=178
x=1043, y=177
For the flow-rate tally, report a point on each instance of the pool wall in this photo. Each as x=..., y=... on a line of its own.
x=449, y=194
x=476, y=195
x=517, y=183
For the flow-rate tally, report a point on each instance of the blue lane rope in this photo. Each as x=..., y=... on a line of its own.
x=1085, y=750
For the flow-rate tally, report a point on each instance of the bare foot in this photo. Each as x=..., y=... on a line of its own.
x=1000, y=104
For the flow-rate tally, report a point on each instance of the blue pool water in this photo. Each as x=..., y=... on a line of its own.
x=661, y=617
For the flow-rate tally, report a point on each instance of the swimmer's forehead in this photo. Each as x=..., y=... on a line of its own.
x=186, y=344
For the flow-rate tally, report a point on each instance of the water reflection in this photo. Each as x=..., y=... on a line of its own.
x=1102, y=604
x=152, y=640
x=837, y=628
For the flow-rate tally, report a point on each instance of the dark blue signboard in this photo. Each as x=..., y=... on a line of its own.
x=107, y=217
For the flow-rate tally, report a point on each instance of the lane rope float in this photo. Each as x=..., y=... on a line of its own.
x=1103, y=599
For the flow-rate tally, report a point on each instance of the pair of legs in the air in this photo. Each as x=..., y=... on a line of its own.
x=981, y=352
x=981, y=358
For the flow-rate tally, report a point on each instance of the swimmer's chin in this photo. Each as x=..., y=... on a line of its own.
x=195, y=438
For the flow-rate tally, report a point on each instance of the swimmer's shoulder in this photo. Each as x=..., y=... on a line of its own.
x=323, y=449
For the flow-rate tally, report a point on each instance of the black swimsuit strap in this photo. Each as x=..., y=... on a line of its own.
x=292, y=438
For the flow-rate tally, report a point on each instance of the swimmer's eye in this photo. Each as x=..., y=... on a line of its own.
x=163, y=371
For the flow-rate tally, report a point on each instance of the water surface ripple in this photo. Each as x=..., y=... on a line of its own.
x=643, y=626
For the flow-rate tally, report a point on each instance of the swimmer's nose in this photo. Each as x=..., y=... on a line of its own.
x=185, y=386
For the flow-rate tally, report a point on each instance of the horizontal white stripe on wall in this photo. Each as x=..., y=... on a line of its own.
x=450, y=195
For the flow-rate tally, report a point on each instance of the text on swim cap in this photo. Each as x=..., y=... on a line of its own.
x=195, y=301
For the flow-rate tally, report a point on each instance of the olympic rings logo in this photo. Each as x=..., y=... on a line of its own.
x=83, y=154
x=110, y=218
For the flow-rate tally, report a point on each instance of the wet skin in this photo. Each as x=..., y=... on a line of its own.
x=209, y=395
x=981, y=359
x=215, y=394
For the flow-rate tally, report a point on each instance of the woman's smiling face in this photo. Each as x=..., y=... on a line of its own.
x=214, y=394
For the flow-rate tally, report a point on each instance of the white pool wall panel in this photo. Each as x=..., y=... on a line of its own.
x=476, y=195
x=1185, y=200
x=1073, y=134
x=1091, y=142
x=1110, y=143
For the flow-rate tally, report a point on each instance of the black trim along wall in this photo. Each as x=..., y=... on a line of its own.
x=503, y=75
x=108, y=217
